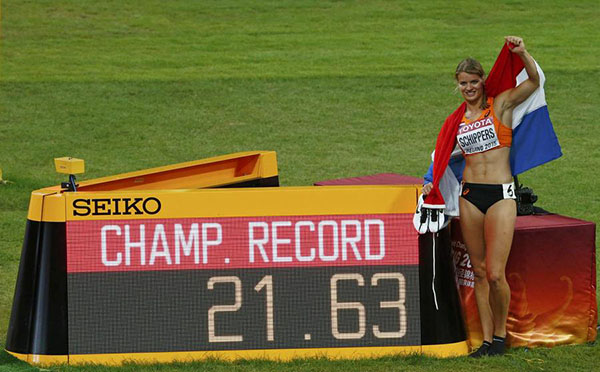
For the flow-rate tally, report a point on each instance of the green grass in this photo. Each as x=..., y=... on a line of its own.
x=337, y=88
x=566, y=358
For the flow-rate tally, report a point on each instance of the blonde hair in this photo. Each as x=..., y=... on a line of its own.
x=472, y=66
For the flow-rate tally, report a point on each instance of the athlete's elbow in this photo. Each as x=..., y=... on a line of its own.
x=535, y=81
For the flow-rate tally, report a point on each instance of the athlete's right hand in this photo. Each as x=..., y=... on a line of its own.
x=427, y=188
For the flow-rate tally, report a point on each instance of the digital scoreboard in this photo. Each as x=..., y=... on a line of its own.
x=217, y=270
x=276, y=273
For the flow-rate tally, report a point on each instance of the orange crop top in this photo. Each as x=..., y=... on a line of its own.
x=483, y=134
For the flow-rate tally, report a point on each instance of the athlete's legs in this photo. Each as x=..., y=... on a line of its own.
x=472, y=227
x=499, y=229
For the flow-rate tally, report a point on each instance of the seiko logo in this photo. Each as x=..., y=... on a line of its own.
x=116, y=206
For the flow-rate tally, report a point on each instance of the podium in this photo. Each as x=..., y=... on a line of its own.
x=551, y=272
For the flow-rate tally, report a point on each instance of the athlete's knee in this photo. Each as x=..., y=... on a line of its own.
x=480, y=272
x=496, y=277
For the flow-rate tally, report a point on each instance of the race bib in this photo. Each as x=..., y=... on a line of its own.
x=508, y=191
x=477, y=136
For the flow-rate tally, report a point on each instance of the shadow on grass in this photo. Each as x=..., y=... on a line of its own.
x=10, y=363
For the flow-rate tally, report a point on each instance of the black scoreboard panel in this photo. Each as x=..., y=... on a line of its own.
x=241, y=309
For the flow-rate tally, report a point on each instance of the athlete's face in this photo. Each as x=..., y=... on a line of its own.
x=470, y=86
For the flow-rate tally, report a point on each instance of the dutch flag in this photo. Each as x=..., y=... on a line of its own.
x=534, y=141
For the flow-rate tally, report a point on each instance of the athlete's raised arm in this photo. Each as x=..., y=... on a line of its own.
x=508, y=99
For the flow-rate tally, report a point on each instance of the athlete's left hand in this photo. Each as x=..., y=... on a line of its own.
x=428, y=219
x=515, y=44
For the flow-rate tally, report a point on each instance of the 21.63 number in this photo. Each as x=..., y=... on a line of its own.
x=266, y=285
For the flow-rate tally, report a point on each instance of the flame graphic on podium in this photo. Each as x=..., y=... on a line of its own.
x=549, y=328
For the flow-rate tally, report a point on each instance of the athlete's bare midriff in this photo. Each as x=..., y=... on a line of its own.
x=491, y=167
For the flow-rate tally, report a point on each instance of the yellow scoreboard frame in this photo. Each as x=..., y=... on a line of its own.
x=337, y=269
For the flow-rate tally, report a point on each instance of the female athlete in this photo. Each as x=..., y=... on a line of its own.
x=487, y=204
